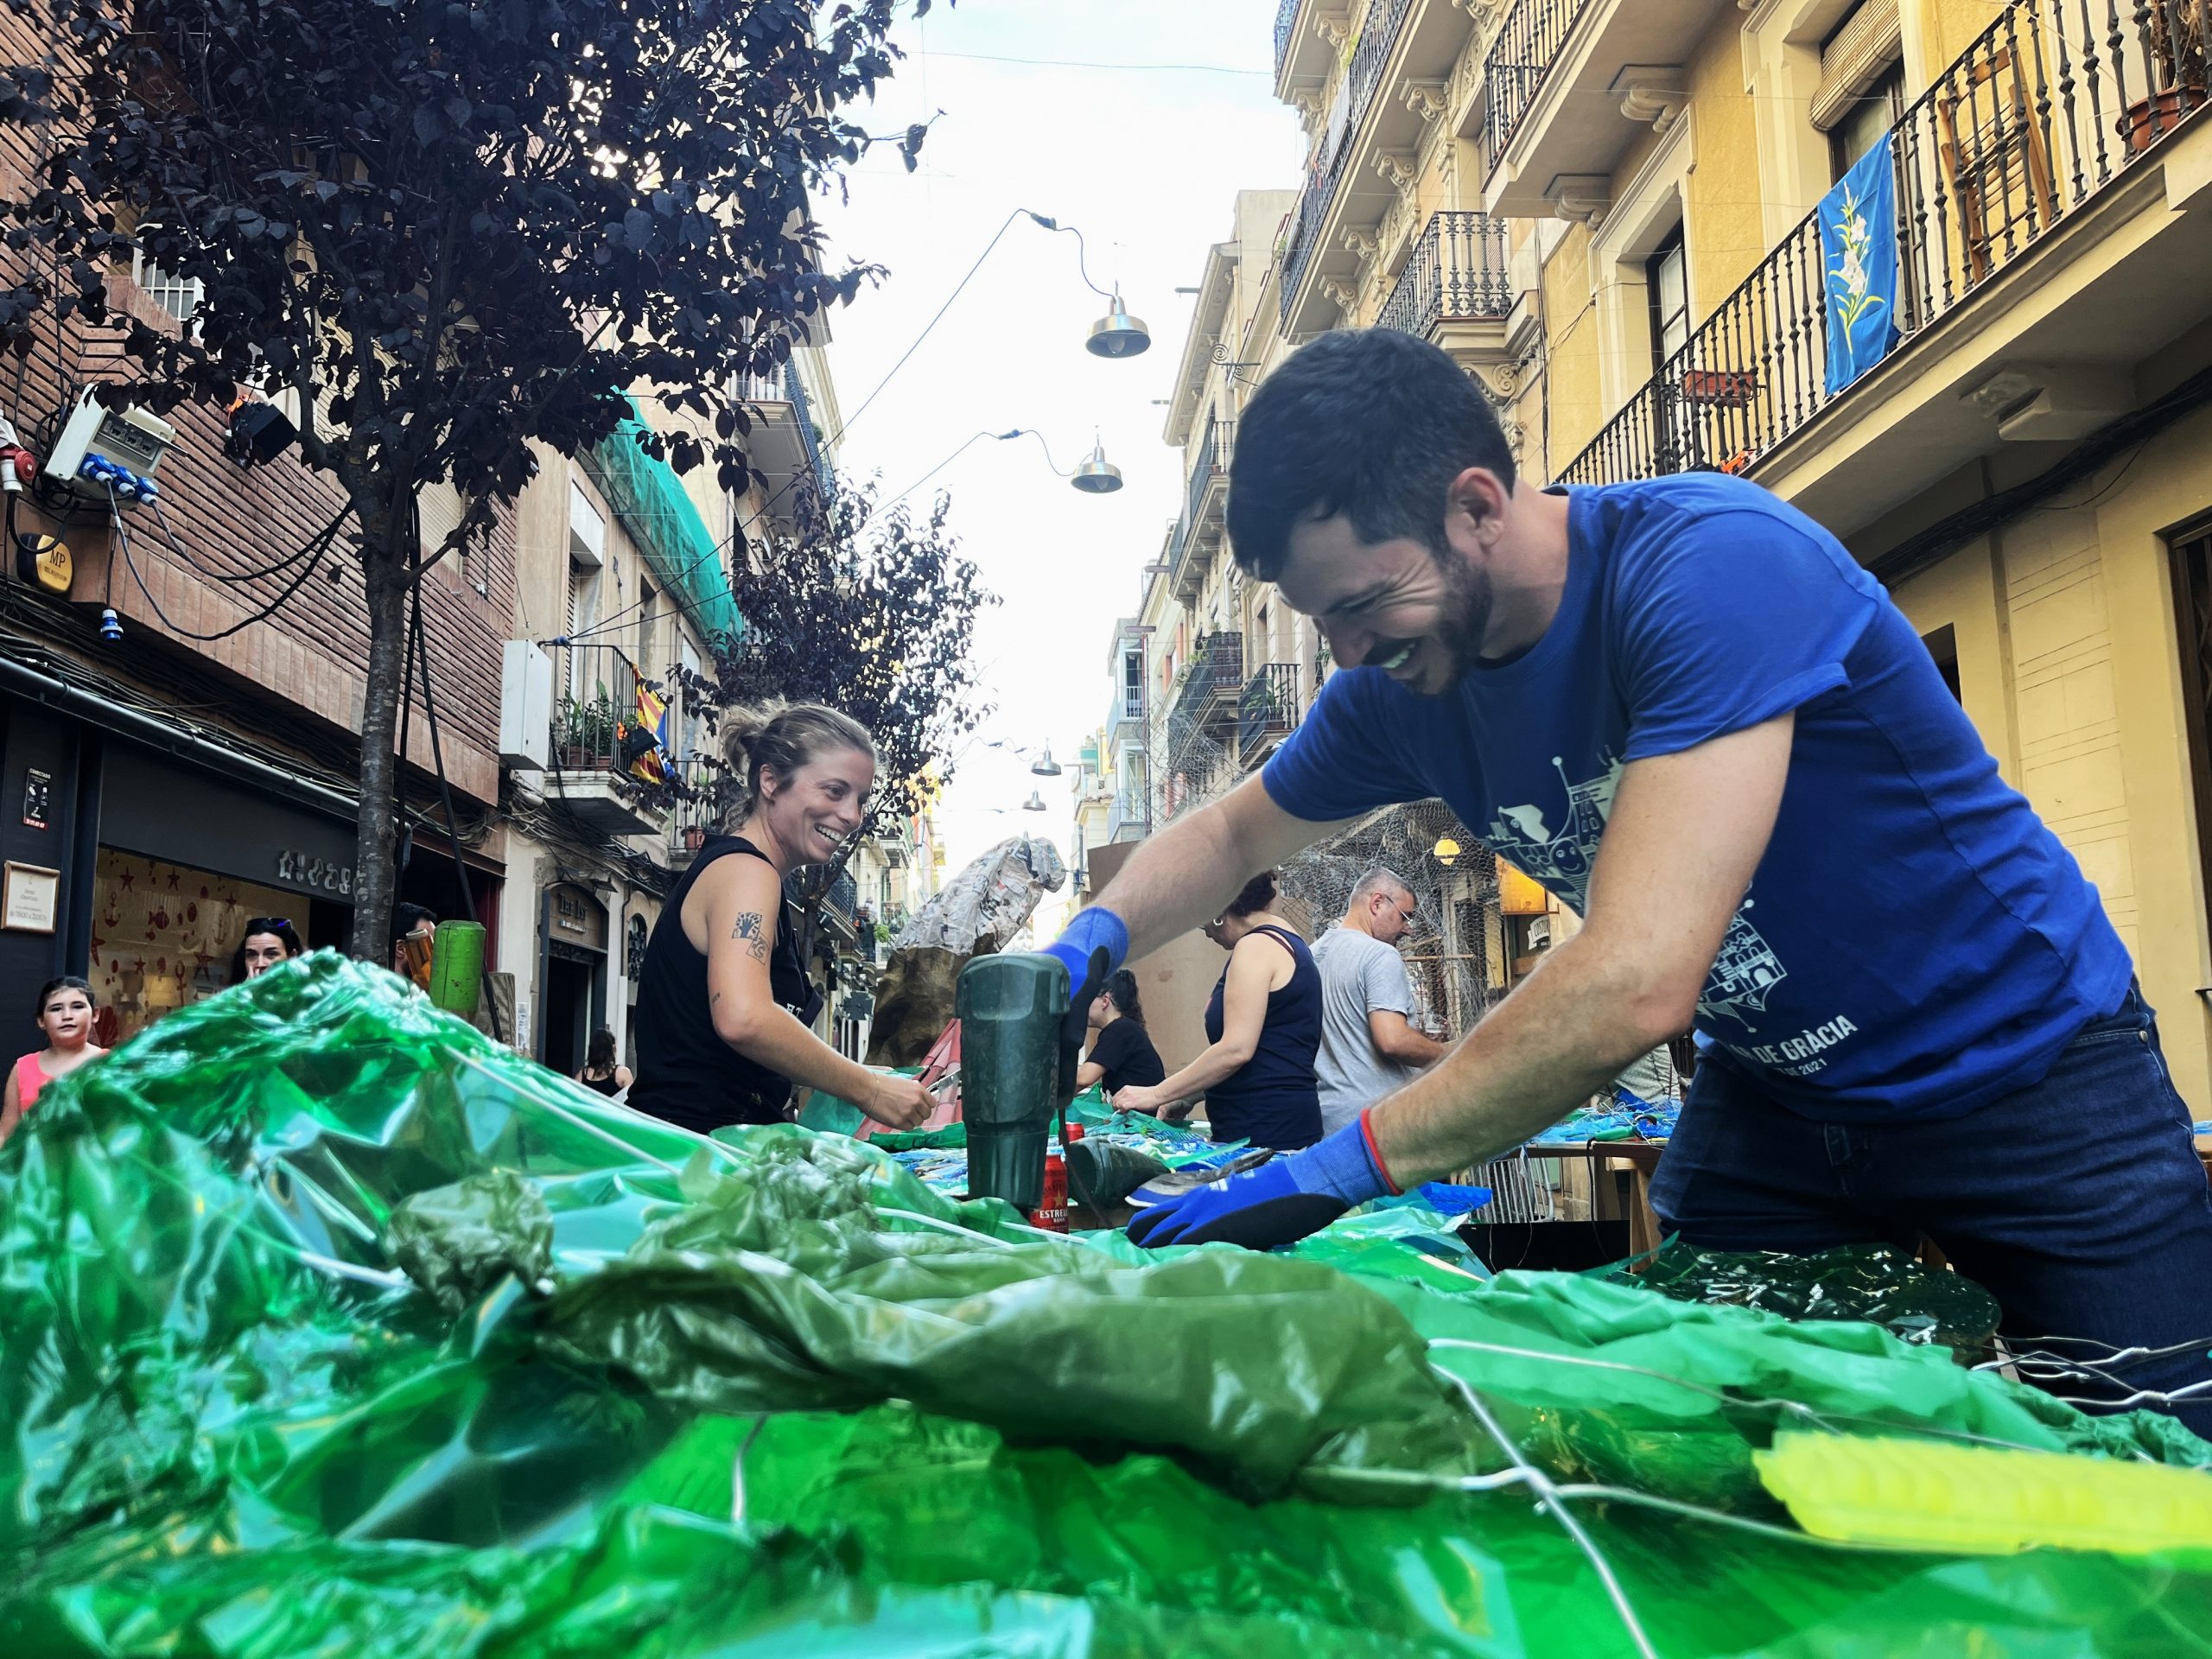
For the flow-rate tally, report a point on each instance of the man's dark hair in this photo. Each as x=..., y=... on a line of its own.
x=1368, y=422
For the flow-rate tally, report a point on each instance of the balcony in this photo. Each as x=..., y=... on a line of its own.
x=1126, y=718
x=841, y=905
x=599, y=752
x=1457, y=276
x=1355, y=210
x=1198, y=532
x=1267, y=712
x=1300, y=53
x=689, y=825
x=1570, y=80
x=785, y=444
x=2043, y=149
x=1129, y=818
x=1200, y=720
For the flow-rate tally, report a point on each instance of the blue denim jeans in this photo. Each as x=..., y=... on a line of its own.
x=2079, y=1203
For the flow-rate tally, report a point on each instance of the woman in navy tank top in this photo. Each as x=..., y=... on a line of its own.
x=724, y=1004
x=1263, y=1028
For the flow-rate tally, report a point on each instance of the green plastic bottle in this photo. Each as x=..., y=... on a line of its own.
x=1011, y=1009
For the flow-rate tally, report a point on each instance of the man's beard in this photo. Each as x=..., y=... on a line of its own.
x=1465, y=615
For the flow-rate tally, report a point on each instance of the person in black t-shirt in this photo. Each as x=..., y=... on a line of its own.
x=1123, y=1052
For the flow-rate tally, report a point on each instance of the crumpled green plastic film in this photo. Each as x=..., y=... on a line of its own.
x=332, y=1327
x=1872, y=1282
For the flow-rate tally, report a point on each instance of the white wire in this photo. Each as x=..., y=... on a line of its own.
x=1549, y=1498
x=947, y=1226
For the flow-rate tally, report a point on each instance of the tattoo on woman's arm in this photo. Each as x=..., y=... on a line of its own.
x=752, y=928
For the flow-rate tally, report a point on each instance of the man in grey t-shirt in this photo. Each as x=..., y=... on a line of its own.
x=1369, y=1046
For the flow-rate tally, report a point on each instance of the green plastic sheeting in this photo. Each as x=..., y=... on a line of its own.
x=654, y=504
x=331, y=1328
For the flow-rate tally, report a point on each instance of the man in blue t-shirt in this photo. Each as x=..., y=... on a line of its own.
x=1689, y=712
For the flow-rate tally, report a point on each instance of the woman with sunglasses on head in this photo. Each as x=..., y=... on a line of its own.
x=1121, y=1053
x=269, y=942
x=64, y=1011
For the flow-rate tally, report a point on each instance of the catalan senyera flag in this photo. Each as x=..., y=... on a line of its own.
x=644, y=740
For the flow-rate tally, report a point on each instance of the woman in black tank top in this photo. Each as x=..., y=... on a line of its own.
x=602, y=1072
x=724, y=1004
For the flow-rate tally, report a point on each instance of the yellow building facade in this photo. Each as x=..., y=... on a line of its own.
x=1604, y=210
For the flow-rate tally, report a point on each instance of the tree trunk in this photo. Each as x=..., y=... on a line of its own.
x=376, y=877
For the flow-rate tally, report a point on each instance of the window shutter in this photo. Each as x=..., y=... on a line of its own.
x=1855, y=57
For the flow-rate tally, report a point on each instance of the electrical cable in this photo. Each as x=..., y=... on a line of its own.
x=310, y=548
x=1917, y=552
x=850, y=420
x=1082, y=266
x=131, y=561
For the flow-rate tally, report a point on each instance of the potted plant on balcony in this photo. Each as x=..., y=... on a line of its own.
x=2178, y=30
x=587, y=732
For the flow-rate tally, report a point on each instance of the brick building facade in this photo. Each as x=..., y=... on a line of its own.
x=204, y=753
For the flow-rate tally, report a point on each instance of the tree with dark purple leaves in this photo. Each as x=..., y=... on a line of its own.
x=868, y=607
x=451, y=229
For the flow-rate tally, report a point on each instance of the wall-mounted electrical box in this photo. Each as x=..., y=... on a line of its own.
x=525, y=705
x=129, y=438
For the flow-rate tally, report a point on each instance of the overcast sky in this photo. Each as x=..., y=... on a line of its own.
x=1146, y=162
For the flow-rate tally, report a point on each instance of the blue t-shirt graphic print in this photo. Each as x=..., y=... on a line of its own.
x=1915, y=941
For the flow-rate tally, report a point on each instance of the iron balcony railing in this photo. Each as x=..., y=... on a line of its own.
x=1457, y=271
x=2050, y=104
x=1268, y=708
x=1339, y=141
x=692, y=823
x=594, y=709
x=1286, y=24
x=1217, y=673
x=1212, y=462
x=1519, y=61
x=809, y=433
x=844, y=898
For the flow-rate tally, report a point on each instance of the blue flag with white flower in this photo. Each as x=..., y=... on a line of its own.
x=1859, y=252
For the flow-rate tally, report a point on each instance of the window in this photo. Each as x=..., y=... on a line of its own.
x=2190, y=552
x=1132, y=684
x=648, y=619
x=1943, y=645
x=1666, y=283
x=583, y=615
x=1866, y=118
x=178, y=295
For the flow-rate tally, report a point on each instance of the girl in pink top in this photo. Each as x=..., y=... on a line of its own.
x=65, y=1014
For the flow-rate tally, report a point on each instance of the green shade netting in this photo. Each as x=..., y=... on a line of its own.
x=329, y=1327
x=674, y=540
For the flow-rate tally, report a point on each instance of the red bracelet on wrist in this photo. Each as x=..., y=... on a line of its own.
x=1367, y=1134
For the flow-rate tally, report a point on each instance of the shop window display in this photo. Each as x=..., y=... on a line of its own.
x=163, y=935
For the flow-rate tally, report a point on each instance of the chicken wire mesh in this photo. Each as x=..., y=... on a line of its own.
x=1457, y=953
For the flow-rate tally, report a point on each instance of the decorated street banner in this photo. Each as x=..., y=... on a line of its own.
x=1859, y=252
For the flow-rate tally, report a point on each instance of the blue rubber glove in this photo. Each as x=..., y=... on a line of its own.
x=1279, y=1203
x=1091, y=949
x=1078, y=946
